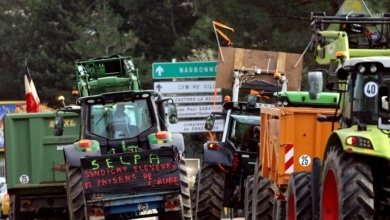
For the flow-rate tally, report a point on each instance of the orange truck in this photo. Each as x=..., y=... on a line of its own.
x=290, y=137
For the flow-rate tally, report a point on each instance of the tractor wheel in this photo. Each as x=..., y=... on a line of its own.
x=279, y=210
x=347, y=190
x=299, y=202
x=248, y=201
x=74, y=193
x=185, y=191
x=265, y=195
x=382, y=206
x=208, y=193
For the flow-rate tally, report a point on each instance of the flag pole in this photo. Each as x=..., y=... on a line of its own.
x=300, y=58
x=32, y=98
x=219, y=45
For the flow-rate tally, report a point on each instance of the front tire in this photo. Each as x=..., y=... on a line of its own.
x=248, y=201
x=347, y=190
x=185, y=191
x=265, y=196
x=382, y=204
x=208, y=193
x=299, y=201
x=74, y=193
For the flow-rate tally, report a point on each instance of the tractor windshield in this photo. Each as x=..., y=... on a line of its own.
x=120, y=120
x=244, y=132
x=364, y=106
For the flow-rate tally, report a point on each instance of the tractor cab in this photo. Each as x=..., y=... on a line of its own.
x=366, y=91
x=120, y=121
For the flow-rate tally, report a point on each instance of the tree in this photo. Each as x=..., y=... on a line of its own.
x=53, y=34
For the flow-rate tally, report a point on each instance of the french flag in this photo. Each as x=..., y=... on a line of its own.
x=32, y=99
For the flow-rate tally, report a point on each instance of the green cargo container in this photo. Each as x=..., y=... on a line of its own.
x=34, y=161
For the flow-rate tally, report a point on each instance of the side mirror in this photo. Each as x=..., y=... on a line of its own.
x=172, y=113
x=384, y=123
x=341, y=74
x=315, y=81
x=337, y=86
x=210, y=120
x=58, y=125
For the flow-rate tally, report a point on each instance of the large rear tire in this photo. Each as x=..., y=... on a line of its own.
x=265, y=196
x=299, y=201
x=248, y=199
x=74, y=193
x=208, y=193
x=185, y=191
x=347, y=190
x=382, y=205
x=279, y=209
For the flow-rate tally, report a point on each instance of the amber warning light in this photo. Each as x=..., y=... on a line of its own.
x=162, y=135
x=214, y=146
x=85, y=143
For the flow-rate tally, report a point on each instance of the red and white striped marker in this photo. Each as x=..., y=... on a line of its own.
x=289, y=158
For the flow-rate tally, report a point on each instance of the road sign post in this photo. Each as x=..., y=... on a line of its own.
x=184, y=70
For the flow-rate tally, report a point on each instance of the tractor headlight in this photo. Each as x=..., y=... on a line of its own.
x=359, y=142
x=282, y=102
x=373, y=68
x=361, y=68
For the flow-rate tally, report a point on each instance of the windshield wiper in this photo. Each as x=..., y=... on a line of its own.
x=105, y=113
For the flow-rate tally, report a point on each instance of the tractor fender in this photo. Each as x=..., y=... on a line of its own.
x=334, y=139
x=378, y=141
x=178, y=141
x=223, y=156
x=72, y=156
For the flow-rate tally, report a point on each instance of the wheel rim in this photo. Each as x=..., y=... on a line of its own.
x=330, y=197
x=291, y=206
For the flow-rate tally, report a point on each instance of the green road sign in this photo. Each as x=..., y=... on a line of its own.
x=184, y=70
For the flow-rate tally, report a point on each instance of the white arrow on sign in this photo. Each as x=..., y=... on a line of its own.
x=185, y=87
x=159, y=70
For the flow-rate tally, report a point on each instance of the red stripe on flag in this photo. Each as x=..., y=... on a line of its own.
x=32, y=99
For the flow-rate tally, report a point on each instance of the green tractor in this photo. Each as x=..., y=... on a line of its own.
x=353, y=180
x=125, y=163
